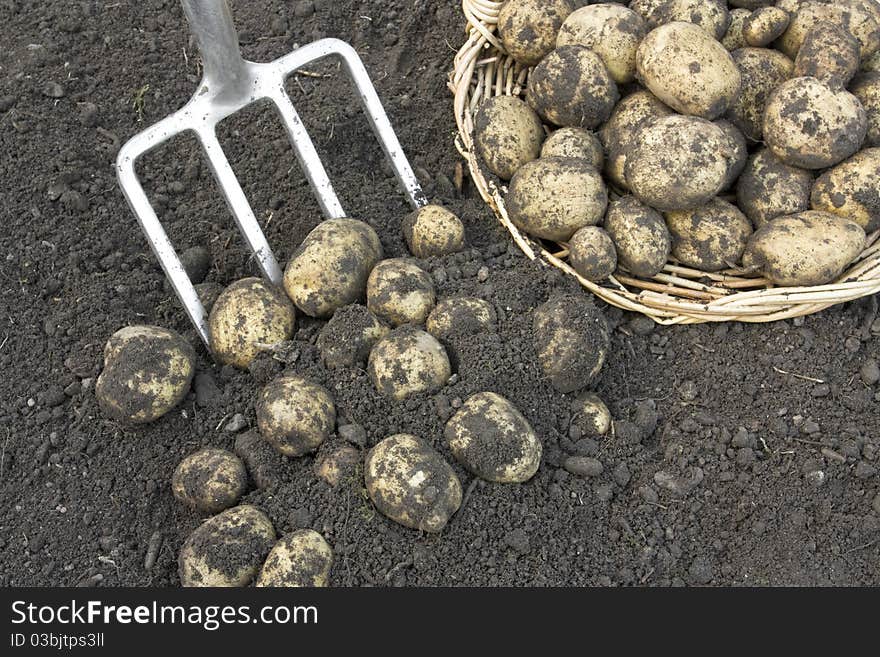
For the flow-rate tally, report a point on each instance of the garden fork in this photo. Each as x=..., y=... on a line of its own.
x=230, y=83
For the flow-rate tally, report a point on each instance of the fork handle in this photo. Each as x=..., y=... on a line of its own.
x=211, y=23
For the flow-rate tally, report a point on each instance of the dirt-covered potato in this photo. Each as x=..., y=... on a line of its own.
x=687, y=69
x=462, y=316
x=762, y=70
x=228, y=549
x=400, y=292
x=711, y=15
x=147, y=372
x=528, y=28
x=866, y=87
x=411, y=484
x=710, y=237
x=574, y=142
x=739, y=148
x=571, y=339
x=612, y=31
x=764, y=26
x=336, y=462
x=209, y=480
x=300, y=559
x=830, y=54
x=857, y=18
x=572, y=88
x=591, y=252
x=432, y=231
x=347, y=338
x=768, y=188
x=808, y=248
x=640, y=236
x=552, y=197
x=679, y=162
x=734, y=38
x=491, y=438
x=507, y=134
x=852, y=189
x=295, y=415
x=809, y=125
x=408, y=361
x=649, y=10
x=330, y=268
x=590, y=414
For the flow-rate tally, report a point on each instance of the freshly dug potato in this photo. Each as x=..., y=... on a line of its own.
x=866, y=88
x=640, y=236
x=571, y=339
x=147, y=372
x=346, y=340
x=528, y=28
x=491, y=438
x=336, y=462
x=572, y=88
x=209, y=480
x=808, y=248
x=433, y=231
x=411, y=484
x=852, y=189
x=301, y=558
x=734, y=38
x=711, y=15
x=551, y=198
x=330, y=268
x=711, y=237
x=408, y=361
x=590, y=415
x=762, y=71
x=764, y=26
x=740, y=150
x=400, y=292
x=228, y=549
x=462, y=316
x=854, y=17
x=574, y=142
x=592, y=254
x=507, y=133
x=768, y=188
x=612, y=31
x=688, y=70
x=295, y=415
x=830, y=54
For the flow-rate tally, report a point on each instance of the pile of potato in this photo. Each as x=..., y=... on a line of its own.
x=743, y=136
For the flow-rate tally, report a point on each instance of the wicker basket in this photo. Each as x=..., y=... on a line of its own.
x=678, y=295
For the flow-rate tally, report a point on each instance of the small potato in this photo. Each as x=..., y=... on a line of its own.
x=300, y=559
x=711, y=237
x=330, y=268
x=830, y=54
x=734, y=38
x=528, y=28
x=688, y=70
x=590, y=415
x=571, y=87
x=592, y=254
x=346, y=340
x=574, y=142
x=147, y=372
x=295, y=415
x=809, y=125
x=808, y=248
x=640, y=236
x=336, y=462
x=461, y=316
x=408, y=361
x=411, y=484
x=226, y=550
x=551, y=198
x=209, y=480
x=491, y=438
x=571, y=339
x=507, y=133
x=711, y=15
x=866, y=88
x=854, y=17
x=400, y=292
x=769, y=188
x=762, y=71
x=739, y=148
x=764, y=26
x=852, y=189
x=433, y=231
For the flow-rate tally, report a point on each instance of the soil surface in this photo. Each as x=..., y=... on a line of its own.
x=740, y=454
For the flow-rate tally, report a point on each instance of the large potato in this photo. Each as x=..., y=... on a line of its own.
x=762, y=71
x=764, y=26
x=857, y=18
x=507, y=133
x=302, y=558
x=330, y=268
x=295, y=415
x=461, y=316
x=830, y=54
x=734, y=38
x=852, y=189
x=147, y=372
x=209, y=480
x=640, y=236
x=591, y=253
x=711, y=15
x=574, y=142
x=346, y=340
x=432, y=231
x=400, y=292
x=528, y=28
x=408, y=361
x=866, y=88
x=710, y=237
x=768, y=187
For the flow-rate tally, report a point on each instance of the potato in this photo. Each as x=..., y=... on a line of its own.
x=491, y=438
x=551, y=198
x=574, y=142
x=336, y=462
x=508, y=134
x=688, y=70
x=572, y=88
x=679, y=162
x=209, y=480
x=226, y=550
x=852, y=189
x=295, y=415
x=762, y=71
x=400, y=292
x=346, y=340
x=768, y=188
x=640, y=236
x=809, y=125
x=411, y=484
x=855, y=18
x=650, y=11
x=147, y=372
x=739, y=148
x=528, y=28
x=830, y=54
x=612, y=31
x=807, y=248
x=433, y=231
x=711, y=237
x=590, y=415
x=461, y=316
x=734, y=38
x=571, y=339
x=711, y=15
x=592, y=254
x=302, y=558
x=764, y=26
x=866, y=88
x=330, y=268
x=408, y=361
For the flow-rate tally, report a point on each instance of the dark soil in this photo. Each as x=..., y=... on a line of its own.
x=741, y=454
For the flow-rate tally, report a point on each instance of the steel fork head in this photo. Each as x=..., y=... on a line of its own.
x=230, y=83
